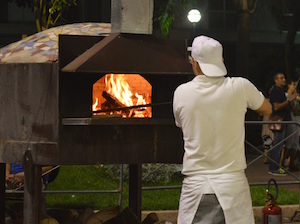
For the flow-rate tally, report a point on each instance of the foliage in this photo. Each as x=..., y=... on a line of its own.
x=165, y=13
x=56, y=7
x=47, y=12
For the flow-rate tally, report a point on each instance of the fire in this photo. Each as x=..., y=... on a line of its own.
x=119, y=88
x=95, y=104
x=118, y=93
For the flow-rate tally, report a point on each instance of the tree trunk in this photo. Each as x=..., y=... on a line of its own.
x=44, y=16
x=242, y=47
x=37, y=16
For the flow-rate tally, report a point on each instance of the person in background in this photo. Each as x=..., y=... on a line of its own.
x=210, y=110
x=14, y=176
x=292, y=144
x=280, y=107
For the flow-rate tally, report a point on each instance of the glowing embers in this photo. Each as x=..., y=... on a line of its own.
x=119, y=95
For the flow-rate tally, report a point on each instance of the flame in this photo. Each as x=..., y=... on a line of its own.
x=95, y=104
x=117, y=87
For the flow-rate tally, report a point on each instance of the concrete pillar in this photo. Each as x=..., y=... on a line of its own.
x=131, y=16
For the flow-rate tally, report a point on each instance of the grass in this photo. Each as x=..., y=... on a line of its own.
x=285, y=197
x=94, y=178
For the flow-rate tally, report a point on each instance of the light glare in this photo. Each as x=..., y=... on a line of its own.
x=194, y=16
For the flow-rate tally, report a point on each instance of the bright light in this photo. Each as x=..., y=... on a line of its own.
x=194, y=16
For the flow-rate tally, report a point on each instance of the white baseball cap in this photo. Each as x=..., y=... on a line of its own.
x=208, y=52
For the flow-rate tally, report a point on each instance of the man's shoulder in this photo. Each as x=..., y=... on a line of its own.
x=183, y=85
x=238, y=80
x=276, y=89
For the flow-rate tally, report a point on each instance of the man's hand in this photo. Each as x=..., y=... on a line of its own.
x=293, y=96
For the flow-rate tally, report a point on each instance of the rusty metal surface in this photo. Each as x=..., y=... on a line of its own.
x=116, y=121
x=131, y=53
x=29, y=109
x=118, y=144
x=81, y=43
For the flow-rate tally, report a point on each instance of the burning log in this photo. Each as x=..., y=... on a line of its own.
x=143, y=106
x=113, y=102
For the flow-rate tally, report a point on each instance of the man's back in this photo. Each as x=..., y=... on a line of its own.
x=211, y=113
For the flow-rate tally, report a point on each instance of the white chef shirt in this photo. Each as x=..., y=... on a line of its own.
x=211, y=113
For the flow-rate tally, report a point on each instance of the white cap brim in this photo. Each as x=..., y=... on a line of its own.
x=213, y=70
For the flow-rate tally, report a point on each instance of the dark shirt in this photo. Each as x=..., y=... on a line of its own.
x=277, y=95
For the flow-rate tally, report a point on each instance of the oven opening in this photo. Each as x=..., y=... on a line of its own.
x=119, y=95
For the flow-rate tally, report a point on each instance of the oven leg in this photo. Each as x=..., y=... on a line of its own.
x=135, y=189
x=2, y=193
x=32, y=190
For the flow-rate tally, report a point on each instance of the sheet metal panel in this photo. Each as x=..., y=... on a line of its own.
x=151, y=141
x=29, y=110
x=132, y=53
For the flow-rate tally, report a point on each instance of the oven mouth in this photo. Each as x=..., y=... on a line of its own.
x=122, y=96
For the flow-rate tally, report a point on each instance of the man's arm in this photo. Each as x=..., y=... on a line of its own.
x=265, y=108
x=46, y=169
x=279, y=106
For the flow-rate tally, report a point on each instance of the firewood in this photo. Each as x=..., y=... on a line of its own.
x=127, y=216
x=104, y=215
x=113, y=101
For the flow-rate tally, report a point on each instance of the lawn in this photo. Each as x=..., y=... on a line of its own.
x=91, y=178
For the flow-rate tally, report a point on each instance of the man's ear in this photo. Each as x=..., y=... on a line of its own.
x=197, y=68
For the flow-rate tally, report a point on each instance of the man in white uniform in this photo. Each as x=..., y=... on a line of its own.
x=210, y=110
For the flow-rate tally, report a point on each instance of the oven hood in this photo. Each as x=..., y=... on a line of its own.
x=130, y=53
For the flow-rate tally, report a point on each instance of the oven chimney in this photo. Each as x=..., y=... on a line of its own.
x=131, y=16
